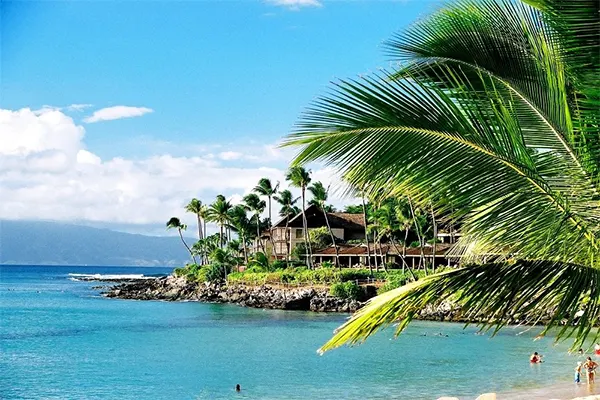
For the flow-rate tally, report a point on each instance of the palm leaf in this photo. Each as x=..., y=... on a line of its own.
x=494, y=294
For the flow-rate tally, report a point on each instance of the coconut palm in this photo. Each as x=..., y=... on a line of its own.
x=195, y=206
x=287, y=210
x=266, y=189
x=239, y=222
x=495, y=105
x=218, y=212
x=299, y=177
x=224, y=260
x=320, y=194
x=175, y=223
x=205, y=246
x=256, y=206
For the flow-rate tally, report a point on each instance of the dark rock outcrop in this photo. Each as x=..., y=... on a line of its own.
x=265, y=296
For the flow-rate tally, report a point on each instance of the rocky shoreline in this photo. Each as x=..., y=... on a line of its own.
x=307, y=298
x=266, y=296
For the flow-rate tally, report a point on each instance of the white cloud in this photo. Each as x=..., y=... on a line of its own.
x=230, y=155
x=78, y=107
x=116, y=112
x=295, y=4
x=46, y=172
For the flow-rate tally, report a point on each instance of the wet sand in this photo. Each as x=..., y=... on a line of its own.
x=568, y=391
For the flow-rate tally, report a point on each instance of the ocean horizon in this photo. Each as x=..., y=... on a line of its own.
x=62, y=340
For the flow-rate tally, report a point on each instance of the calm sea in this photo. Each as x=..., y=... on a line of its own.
x=60, y=340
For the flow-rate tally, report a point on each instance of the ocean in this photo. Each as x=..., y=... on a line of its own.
x=59, y=339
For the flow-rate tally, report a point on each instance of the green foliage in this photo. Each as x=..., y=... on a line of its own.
x=327, y=264
x=346, y=290
x=320, y=238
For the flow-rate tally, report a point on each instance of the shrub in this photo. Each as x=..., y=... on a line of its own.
x=327, y=264
x=346, y=290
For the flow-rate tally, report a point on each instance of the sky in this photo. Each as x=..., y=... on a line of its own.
x=116, y=113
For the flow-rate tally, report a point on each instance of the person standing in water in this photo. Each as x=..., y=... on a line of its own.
x=535, y=358
x=578, y=372
x=590, y=369
x=238, y=388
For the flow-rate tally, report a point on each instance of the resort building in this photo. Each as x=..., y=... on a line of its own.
x=349, y=231
x=287, y=234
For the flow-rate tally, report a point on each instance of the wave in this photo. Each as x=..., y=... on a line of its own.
x=107, y=277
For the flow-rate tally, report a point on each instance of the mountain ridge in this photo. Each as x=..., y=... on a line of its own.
x=58, y=243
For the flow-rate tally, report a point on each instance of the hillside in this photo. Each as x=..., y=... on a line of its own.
x=50, y=243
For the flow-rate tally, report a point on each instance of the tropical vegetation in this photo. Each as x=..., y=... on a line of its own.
x=491, y=118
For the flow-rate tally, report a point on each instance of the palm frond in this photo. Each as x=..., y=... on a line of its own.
x=495, y=295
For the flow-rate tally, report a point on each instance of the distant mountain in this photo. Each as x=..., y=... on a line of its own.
x=50, y=243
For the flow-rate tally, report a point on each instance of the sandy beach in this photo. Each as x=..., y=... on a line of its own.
x=563, y=391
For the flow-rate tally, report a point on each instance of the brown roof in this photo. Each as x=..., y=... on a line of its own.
x=351, y=220
x=336, y=220
x=441, y=249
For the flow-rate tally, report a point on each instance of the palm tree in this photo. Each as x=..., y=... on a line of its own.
x=175, y=223
x=205, y=246
x=364, y=212
x=195, y=206
x=265, y=188
x=224, y=260
x=319, y=197
x=405, y=222
x=255, y=205
x=240, y=223
x=288, y=210
x=218, y=212
x=495, y=106
x=299, y=177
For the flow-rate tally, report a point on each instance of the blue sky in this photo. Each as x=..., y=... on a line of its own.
x=224, y=75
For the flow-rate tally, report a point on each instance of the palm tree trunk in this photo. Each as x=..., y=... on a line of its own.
x=244, y=247
x=305, y=228
x=434, y=239
x=204, y=259
x=375, y=252
x=418, y=230
x=186, y=246
x=200, y=235
x=337, y=256
x=287, y=242
x=367, y=234
x=221, y=236
x=404, y=263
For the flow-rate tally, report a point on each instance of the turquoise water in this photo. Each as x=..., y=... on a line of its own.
x=60, y=340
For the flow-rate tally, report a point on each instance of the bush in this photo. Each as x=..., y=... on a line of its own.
x=346, y=290
x=278, y=264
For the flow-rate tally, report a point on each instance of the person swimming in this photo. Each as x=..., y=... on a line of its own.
x=238, y=388
x=578, y=369
x=535, y=358
x=590, y=368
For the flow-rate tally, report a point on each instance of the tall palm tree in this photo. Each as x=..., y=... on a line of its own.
x=175, y=223
x=299, y=177
x=495, y=105
x=364, y=210
x=266, y=189
x=195, y=206
x=319, y=197
x=205, y=246
x=405, y=222
x=255, y=205
x=218, y=212
x=287, y=210
x=240, y=223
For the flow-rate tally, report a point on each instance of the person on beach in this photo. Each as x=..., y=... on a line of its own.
x=578, y=369
x=597, y=349
x=535, y=358
x=590, y=369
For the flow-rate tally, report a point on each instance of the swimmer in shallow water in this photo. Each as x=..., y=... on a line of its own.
x=535, y=358
x=238, y=388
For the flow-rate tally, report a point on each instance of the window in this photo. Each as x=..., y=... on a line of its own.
x=299, y=234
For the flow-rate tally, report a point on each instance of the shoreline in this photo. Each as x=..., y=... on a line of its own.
x=559, y=391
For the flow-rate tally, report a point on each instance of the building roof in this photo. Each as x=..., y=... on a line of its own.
x=315, y=218
x=440, y=249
